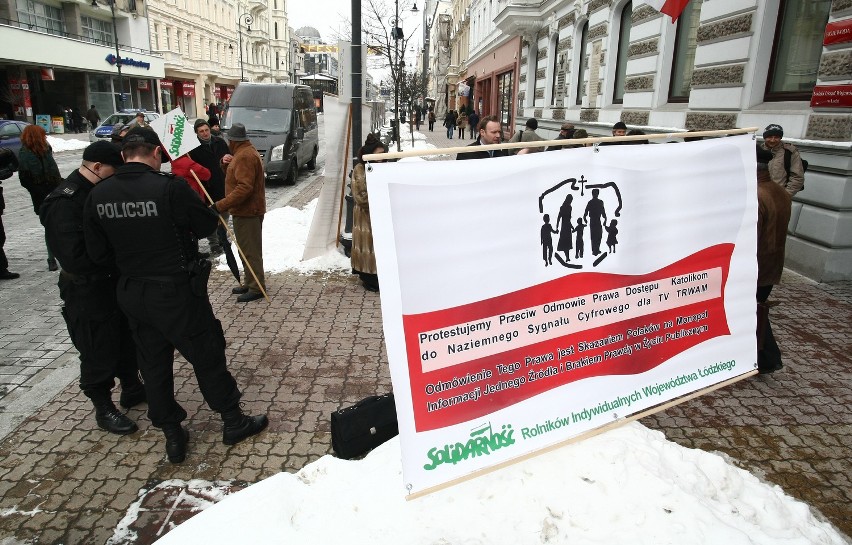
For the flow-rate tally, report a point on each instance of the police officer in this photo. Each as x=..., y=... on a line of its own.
x=148, y=224
x=97, y=327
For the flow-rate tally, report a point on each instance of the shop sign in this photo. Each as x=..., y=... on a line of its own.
x=188, y=89
x=143, y=84
x=838, y=32
x=217, y=92
x=47, y=74
x=43, y=121
x=127, y=61
x=832, y=96
x=58, y=123
x=166, y=84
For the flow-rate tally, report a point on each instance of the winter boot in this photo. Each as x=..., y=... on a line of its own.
x=111, y=420
x=176, y=439
x=132, y=394
x=238, y=426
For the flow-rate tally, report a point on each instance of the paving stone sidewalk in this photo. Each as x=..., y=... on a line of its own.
x=319, y=344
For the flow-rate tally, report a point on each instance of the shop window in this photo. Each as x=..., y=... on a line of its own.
x=40, y=17
x=796, y=50
x=621, y=60
x=155, y=36
x=584, y=64
x=683, y=62
x=506, y=88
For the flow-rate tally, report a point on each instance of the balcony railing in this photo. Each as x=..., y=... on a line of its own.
x=63, y=34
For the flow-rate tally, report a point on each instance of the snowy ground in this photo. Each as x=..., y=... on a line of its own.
x=629, y=485
x=59, y=144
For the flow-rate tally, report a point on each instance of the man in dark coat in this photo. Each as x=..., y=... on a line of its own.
x=473, y=123
x=146, y=224
x=93, y=116
x=773, y=216
x=98, y=329
x=489, y=133
x=212, y=154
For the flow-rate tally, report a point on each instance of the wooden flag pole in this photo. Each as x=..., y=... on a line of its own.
x=343, y=182
x=543, y=143
x=227, y=228
x=587, y=435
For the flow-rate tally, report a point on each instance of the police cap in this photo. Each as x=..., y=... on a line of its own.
x=103, y=152
x=148, y=136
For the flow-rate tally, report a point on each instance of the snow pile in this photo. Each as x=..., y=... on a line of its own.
x=58, y=144
x=285, y=231
x=629, y=485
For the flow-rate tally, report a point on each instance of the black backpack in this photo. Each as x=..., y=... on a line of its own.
x=788, y=158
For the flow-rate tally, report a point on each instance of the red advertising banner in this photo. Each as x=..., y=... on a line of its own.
x=188, y=89
x=838, y=32
x=832, y=96
x=166, y=84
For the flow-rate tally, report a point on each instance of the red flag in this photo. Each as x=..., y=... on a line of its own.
x=672, y=8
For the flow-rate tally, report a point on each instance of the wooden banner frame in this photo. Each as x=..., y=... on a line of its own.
x=544, y=143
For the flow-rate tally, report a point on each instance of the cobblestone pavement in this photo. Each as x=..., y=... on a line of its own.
x=318, y=345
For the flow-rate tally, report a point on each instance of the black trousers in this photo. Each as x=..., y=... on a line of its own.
x=768, y=352
x=4, y=263
x=100, y=333
x=164, y=316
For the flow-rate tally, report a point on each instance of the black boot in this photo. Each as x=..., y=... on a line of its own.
x=132, y=394
x=238, y=426
x=176, y=438
x=111, y=420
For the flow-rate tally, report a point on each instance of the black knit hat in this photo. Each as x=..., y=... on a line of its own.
x=773, y=130
x=619, y=125
x=200, y=123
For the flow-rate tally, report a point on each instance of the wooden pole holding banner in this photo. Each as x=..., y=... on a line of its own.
x=343, y=181
x=227, y=228
x=587, y=435
x=543, y=143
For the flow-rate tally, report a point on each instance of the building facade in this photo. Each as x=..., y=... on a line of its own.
x=723, y=64
x=65, y=57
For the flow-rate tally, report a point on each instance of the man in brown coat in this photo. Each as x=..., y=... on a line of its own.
x=245, y=199
x=773, y=216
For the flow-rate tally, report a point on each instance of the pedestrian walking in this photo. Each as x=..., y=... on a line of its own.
x=146, y=224
x=98, y=329
x=528, y=134
x=462, y=123
x=363, y=256
x=93, y=116
x=245, y=200
x=38, y=172
x=213, y=153
x=450, y=123
x=473, y=121
x=431, y=120
x=8, y=166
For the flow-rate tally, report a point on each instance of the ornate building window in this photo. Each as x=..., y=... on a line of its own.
x=796, y=50
x=683, y=61
x=621, y=58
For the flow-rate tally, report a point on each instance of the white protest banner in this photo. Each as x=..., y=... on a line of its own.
x=176, y=133
x=533, y=298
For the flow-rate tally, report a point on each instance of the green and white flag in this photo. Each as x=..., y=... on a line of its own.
x=176, y=133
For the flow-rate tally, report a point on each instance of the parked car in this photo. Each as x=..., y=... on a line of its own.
x=281, y=122
x=123, y=117
x=10, y=134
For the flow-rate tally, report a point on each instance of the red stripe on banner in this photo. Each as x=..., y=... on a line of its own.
x=543, y=337
x=673, y=8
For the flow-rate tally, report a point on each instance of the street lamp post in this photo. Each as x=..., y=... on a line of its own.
x=244, y=19
x=397, y=35
x=117, y=54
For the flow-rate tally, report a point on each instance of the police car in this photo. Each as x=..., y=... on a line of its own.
x=123, y=117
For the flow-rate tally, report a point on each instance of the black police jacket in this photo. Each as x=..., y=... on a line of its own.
x=210, y=157
x=62, y=217
x=145, y=221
